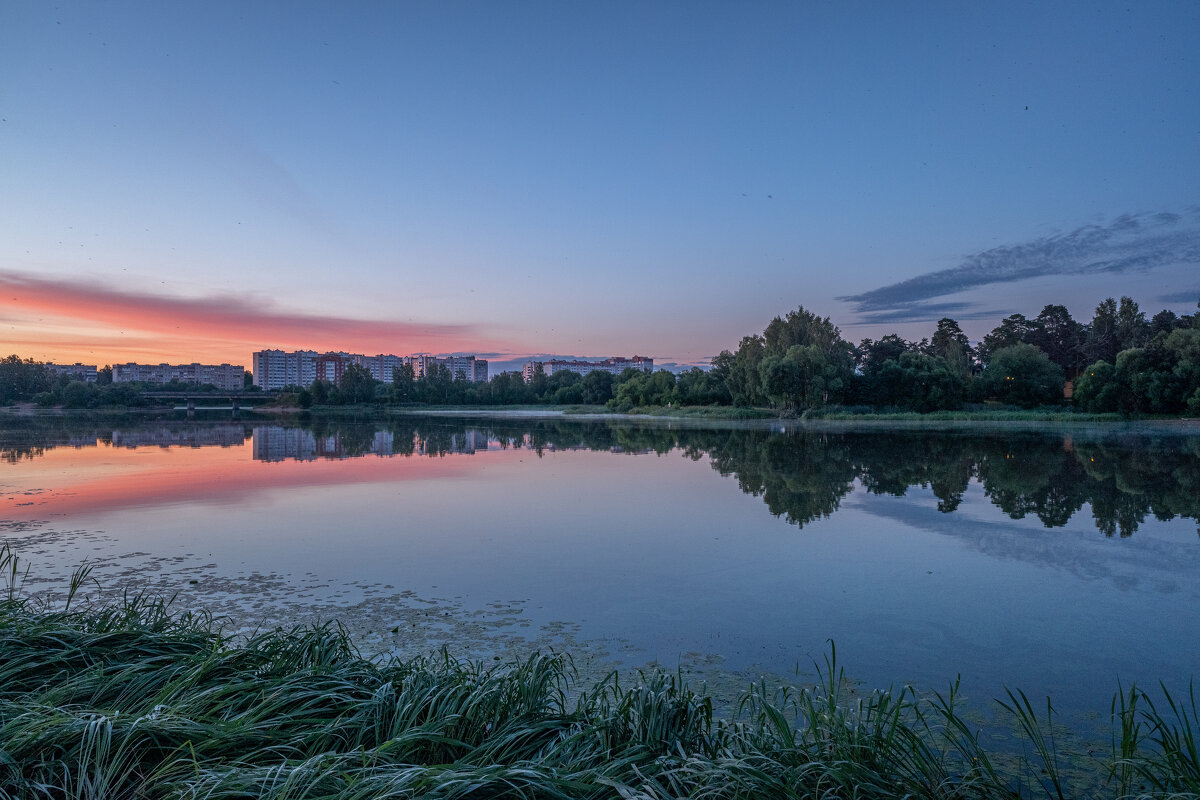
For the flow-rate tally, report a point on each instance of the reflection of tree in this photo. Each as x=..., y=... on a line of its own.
x=801, y=475
x=1029, y=474
x=889, y=463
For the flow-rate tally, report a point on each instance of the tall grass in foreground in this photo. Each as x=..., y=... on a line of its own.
x=130, y=700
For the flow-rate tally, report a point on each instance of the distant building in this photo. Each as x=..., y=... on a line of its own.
x=382, y=367
x=615, y=365
x=330, y=367
x=277, y=369
x=229, y=377
x=76, y=372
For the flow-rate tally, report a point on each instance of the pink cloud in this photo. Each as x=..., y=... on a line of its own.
x=226, y=324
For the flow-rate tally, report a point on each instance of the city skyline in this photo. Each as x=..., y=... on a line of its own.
x=532, y=181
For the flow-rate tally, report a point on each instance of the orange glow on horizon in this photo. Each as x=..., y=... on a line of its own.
x=80, y=481
x=67, y=321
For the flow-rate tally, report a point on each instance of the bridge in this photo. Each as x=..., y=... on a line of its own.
x=235, y=399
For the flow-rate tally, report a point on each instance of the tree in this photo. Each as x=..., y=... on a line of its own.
x=1164, y=322
x=698, y=387
x=917, y=381
x=804, y=361
x=741, y=371
x=1023, y=375
x=1115, y=328
x=871, y=354
x=1013, y=329
x=21, y=380
x=1101, y=343
x=597, y=387
x=1132, y=328
x=803, y=377
x=356, y=385
x=950, y=343
x=403, y=379
x=1060, y=337
x=1097, y=389
x=320, y=392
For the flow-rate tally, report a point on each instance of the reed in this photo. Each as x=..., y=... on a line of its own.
x=130, y=700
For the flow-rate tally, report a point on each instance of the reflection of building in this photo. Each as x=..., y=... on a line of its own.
x=76, y=371
x=198, y=436
x=224, y=376
x=615, y=365
x=276, y=443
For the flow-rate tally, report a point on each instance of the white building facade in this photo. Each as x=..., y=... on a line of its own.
x=614, y=365
x=229, y=377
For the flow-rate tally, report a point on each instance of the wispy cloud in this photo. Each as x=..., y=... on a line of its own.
x=1189, y=296
x=221, y=321
x=1129, y=243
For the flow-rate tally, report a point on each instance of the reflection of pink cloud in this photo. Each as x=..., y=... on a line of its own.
x=217, y=475
x=223, y=323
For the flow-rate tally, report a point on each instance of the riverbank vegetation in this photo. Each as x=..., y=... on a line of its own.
x=132, y=700
x=1118, y=363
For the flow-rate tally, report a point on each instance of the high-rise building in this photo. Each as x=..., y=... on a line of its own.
x=78, y=372
x=615, y=365
x=276, y=369
x=229, y=377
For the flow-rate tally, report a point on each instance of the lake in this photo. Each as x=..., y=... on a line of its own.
x=1058, y=560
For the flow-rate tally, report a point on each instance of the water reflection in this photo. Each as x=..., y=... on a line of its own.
x=801, y=475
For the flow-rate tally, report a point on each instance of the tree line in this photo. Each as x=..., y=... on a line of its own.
x=1120, y=361
x=804, y=475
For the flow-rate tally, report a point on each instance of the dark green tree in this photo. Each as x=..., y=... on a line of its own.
x=1060, y=337
x=597, y=387
x=356, y=385
x=1023, y=375
x=1013, y=329
x=950, y=343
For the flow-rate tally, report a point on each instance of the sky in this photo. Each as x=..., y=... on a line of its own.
x=194, y=181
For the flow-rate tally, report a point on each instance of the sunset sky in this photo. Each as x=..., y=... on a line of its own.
x=191, y=181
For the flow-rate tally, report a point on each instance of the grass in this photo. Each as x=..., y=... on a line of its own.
x=131, y=700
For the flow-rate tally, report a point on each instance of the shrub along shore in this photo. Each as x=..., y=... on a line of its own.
x=132, y=700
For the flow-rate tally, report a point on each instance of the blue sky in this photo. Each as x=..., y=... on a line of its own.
x=586, y=178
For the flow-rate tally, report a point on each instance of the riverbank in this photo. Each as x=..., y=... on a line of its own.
x=134, y=700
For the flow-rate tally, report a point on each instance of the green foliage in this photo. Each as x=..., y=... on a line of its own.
x=1012, y=330
x=951, y=344
x=21, y=380
x=133, y=701
x=1023, y=375
x=918, y=382
x=800, y=361
x=1160, y=378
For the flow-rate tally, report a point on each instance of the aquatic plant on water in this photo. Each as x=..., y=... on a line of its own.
x=133, y=700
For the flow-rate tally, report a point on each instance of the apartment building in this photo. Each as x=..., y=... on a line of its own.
x=277, y=369
x=615, y=365
x=223, y=376
x=76, y=372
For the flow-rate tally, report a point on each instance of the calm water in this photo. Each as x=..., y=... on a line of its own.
x=1055, y=561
